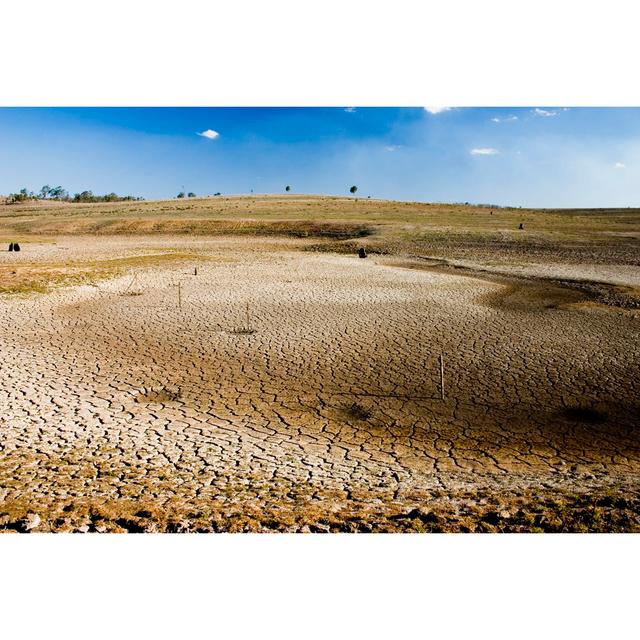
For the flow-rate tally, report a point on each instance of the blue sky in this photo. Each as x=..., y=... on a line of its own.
x=535, y=156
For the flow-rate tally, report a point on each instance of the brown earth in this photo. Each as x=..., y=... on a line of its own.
x=113, y=399
x=291, y=390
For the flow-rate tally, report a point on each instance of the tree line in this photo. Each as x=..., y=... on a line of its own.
x=62, y=195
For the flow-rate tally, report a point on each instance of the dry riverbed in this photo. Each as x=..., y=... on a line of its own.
x=287, y=390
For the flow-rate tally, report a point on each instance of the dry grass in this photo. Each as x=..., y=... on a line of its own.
x=359, y=412
x=317, y=216
x=322, y=223
x=158, y=395
x=559, y=512
x=595, y=236
x=246, y=329
x=41, y=277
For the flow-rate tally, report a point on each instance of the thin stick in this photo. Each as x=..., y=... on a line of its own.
x=179, y=296
x=133, y=279
x=195, y=271
x=442, y=376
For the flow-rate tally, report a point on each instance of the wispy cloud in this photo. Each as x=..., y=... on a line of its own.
x=350, y=109
x=484, y=151
x=619, y=165
x=393, y=147
x=435, y=110
x=544, y=113
x=209, y=133
x=507, y=119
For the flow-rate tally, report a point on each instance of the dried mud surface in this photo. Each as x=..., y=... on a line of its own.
x=132, y=413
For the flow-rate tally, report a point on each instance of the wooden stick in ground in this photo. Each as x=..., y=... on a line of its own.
x=442, y=376
x=133, y=279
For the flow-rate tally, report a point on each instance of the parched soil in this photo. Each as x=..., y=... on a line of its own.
x=154, y=412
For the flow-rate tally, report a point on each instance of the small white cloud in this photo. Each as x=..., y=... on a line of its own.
x=393, y=147
x=484, y=151
x=507, y=119
x=209, y=133
x=435, y=110
x=619, y=165
x=350, y=109
x=545, y=113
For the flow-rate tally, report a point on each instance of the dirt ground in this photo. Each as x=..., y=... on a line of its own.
x=281, y=389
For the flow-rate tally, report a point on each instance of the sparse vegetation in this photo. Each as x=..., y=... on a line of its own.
x=359, y=412
x=292, y=509
x=246, y=329
x=42, y=277
x=157, y=395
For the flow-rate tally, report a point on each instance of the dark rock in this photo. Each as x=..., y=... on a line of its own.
x=16, y=246
x=26, y=524
x=11, y=247
x=540, y=520
x=521, y=226
x=362, y=253
x=416, y=514
x=492, y=517
x=130, y=525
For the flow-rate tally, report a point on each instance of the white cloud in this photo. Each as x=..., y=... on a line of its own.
x=544, y=113
x=484, y=151
x=209, y=133
x=350, y=109
x=619, y=165
x=436, y=110
x=507, y=119
x=393, y=147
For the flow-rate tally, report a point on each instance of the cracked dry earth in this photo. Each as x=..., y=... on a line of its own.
x=296, y=391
